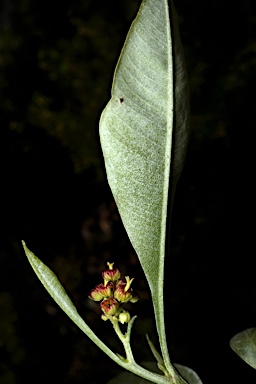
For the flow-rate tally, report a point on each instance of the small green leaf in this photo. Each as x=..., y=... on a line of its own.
x=244, y=344
x=59, y=295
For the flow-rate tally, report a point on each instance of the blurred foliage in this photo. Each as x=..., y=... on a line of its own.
x=56, y=66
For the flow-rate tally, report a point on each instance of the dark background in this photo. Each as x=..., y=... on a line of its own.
x=56, y=67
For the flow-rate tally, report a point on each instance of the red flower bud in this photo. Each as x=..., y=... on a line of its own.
x=123, y=291
x=111, y=274
x=109, y=306
x=101, y=292
x=121, y=295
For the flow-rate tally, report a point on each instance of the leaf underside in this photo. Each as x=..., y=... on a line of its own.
x=147, y=113
x=244, y=344
x=136, y=133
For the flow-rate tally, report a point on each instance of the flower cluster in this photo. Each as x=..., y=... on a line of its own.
x=113, y=294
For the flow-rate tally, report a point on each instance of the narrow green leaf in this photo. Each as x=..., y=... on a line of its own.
x=59, y=295
x=244, y=344
x=147, y=114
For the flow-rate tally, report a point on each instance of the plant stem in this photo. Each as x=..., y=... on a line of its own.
x=130, y=364
x=125, y=339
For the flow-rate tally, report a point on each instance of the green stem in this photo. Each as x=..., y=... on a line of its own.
x=129, y=362
x=125, y=339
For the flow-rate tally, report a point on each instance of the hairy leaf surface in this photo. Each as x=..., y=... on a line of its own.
x=143, y=127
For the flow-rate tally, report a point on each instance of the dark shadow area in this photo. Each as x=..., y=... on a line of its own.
x=56, y=68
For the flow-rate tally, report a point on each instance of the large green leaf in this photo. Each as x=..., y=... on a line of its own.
x=142, y=128
x=244, y=344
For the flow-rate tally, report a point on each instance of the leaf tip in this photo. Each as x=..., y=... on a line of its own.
x=30, y=255
x=25, y=247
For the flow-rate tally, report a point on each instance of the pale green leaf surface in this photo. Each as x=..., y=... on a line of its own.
x=128, y=378
x=244, y=344
x=59, y=295
x=136, y=132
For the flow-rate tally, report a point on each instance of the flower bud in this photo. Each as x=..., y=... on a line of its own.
x=111, y=274
x=109, y=306
x=121, y=295
x=124, y=317
x=134, y=299
x=101, y=292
